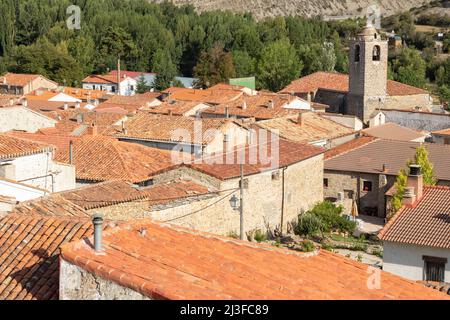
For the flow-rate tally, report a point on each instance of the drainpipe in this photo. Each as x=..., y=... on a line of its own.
x=97, y=221
x=71, y=152
x=282, y=200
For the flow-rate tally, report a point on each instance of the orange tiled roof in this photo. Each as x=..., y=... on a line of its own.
x=174, y=107
x=256, y=106
x=53, y=205
x=444, y=132
x=314, y=127
x=214, y=96
x=29, y=255
x=101, y=158
x=11, y=147
x=114, y=192
x=287, y=153
x=85, y=94
x=169, y=262
x=146, y=126
x=128, y=103
x=427, y=223
x=339, y=82
x=97, y=78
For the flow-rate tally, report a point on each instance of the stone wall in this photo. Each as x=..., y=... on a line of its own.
x=351, y=183
x=77, y=284
x=408, y=102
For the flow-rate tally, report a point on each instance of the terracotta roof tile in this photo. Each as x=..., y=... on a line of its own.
x=169, y=262
x=154, y=127
x=11, y=147
x=29, y=254
x=313, y=128
x=257, y=106
x=211, y=96
x=370, y=157
x=96, y=78
x=339, y=82
x=348, y=146
x=18, y=79
x=100, y=158
x=177, y=108
x=427, y=223
x=394, y=131
x=444, y=132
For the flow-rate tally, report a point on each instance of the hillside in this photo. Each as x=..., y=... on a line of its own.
x=267, y=8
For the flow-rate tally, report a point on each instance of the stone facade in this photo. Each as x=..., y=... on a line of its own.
x=263, y=197
x=78, y=284
x=23, y=119
x=426, y=121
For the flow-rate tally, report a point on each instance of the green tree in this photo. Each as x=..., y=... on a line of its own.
x=164, y=68
x=278, y=66
x=409, y=67
x=244, y=64
x=397, y=198
x=214, y=66
x=141, y=86
x=421, y=158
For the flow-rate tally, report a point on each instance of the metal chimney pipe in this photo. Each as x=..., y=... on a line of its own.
x=71, y=152
x=97, y=221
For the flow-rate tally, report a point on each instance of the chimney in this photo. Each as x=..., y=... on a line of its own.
x=409, y=198
x=93, y=130
x=308, y=97
x=25, y=102
x=80, y=118
x=170, y=112
x=270, y=104
x=300, y=120
x=244, y=105
x=66, y=106
x=77, y=105
x=97, y=221
x=71, y=152
x=227, y=115
x=415, y=180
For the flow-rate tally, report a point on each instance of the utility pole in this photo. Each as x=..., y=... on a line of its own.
x=241, y=207
x=118, y=75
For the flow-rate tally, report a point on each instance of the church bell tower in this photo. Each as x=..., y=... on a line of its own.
x=368, y=57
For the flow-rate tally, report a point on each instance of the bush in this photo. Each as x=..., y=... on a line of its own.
x=307, y=246
x=309, y=224
x=324, y=217
x=260, y=236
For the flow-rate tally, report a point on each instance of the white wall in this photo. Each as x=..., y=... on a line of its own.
x=19, y=192
x=406, y=260
x=20, y=118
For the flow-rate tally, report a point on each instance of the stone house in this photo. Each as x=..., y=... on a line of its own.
x=23, y=119
x=366, y=168
x=21, y=84
x=173, y=263
x=416, y=241
x=418, y=120
x=393, y=131
x=33, y=163
x=366, y=89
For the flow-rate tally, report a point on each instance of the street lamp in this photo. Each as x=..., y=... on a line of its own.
x=234, y=202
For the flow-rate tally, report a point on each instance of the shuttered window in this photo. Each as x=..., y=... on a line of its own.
x=434, y=268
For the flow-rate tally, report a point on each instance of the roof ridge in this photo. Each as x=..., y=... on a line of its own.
x=355, y=148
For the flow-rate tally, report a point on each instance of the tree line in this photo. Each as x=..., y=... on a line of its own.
x=169, y=40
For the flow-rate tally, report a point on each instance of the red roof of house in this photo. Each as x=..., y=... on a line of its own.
x=11, y=147
x=426, y=223
x=169, y=262
x=18, y=79
x=340, y=82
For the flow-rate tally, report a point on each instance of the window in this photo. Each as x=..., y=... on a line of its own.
x=434, y=268
x=325, y=182
x=376, y=53
x=446, y=140
x=367, y=186
x=357, y=53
